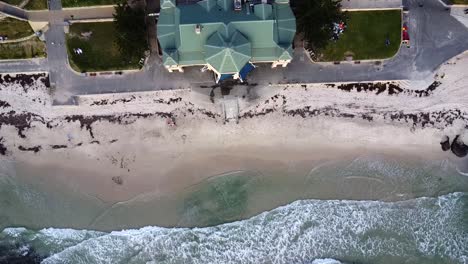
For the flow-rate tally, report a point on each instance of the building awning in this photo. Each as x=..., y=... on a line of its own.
x=245, y=70
x=223, y=77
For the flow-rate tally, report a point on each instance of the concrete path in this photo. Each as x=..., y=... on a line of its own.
x=458, y=12
x=13, y=11
x=20, y=66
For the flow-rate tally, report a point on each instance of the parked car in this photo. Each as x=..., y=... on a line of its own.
x=405, y=35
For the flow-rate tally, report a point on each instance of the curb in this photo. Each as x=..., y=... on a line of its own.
x=15, y=60
x=90, y=20
x=26, y=73
x=87, y=7
x=18, y=40
x=131, y=93
x=15, y=17
x=371, y=9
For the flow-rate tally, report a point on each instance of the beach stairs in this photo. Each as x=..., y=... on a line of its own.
x=230, y=106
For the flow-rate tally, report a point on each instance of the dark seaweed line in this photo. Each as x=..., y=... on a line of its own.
x=132, y=98
x=438, y=119
x=381, y=87
x=25, y=80
x=20, y=121
x=87, y=121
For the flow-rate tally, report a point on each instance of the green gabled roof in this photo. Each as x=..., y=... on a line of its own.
x=264, y=54
x=263, y=35
x=167, y=28
x=227, y=57
x=263, y=11
x=225, y=4
x=207, y=4
x=285, y=53
x=170, y=57
x=286, y=23
x=191, y=58
x=167, y=4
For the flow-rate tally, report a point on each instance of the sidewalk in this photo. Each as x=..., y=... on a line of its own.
x=458, y=12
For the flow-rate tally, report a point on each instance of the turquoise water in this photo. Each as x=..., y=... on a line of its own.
x=370, y=209
x=422, y=230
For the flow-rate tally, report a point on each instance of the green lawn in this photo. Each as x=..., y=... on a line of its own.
x=365, y=36
x=36, y=5
x=100, y=52
x=31, y=5
x=13, y=2
x=77, y=3
x=14, y=28
x=31, y=48
x=459, y=2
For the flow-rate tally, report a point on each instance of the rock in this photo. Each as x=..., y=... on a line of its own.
x=458, y=147
x=445, y=143
x=118, y=180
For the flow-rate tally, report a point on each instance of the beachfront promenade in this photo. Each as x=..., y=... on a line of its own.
x=431, y=45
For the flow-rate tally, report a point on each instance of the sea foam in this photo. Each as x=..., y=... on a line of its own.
x=424, y=230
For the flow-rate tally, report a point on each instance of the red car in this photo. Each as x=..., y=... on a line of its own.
x=405, y=35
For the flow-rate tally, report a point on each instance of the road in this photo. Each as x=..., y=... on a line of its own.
x=431, y=45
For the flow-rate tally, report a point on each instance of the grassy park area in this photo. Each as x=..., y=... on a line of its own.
x=365, y=36
x=459, y=2
x=30, y=5
x=99, y=50
x=36, y=5
x=14, y=28
x=31, y=48
x=13, y=2
x=77, y=3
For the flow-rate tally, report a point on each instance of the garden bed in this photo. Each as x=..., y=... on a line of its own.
x=36, y=5
x=27, y=49
x=459, y=2
x=14, y=28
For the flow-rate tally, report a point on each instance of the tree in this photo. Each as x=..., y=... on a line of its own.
x=315, y=20
x=131, y=30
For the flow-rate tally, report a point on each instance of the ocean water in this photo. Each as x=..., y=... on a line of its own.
x=369, y=209
x=421, y=230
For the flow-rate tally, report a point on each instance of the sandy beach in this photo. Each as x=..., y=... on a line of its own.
x=114, y=149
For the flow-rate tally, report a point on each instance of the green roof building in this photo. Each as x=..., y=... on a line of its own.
x=225, y=36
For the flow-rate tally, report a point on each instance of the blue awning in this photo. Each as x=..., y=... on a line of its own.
x=245, y=70
x=225, y=76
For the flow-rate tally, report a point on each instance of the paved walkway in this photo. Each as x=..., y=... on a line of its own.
x=458, y=12
x=431, y=45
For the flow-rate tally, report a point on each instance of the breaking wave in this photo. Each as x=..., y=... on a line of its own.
x=422, y=230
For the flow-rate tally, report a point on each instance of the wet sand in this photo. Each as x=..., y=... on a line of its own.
x=186, y=184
